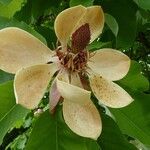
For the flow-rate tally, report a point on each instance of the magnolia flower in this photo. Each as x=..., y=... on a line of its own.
x=35, y=64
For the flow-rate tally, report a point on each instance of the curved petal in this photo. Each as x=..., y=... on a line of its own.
x=73, y=93
x=63, y=75
x=20, y=49
x=75, y=79
x=109, y=93
x=30, y=84
x=109, y=63
x=94, y=16
x=66, y=21
x=54, y=94
x=84, y=120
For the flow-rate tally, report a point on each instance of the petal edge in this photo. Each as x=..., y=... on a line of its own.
x=20, y=49
x=109, y=93
x=84, y=120
x=31, y=83
x=109, y=63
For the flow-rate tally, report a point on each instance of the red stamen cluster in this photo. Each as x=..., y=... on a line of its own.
x=75, y=57
x=73, y=62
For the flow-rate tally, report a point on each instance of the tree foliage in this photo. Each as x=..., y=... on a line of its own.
x=127, y=28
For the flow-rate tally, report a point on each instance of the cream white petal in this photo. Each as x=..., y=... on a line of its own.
x=63, y=75
x=94, y=16
x=20, y=49
x=75, y=79
x=31, y=83
x=109, y=63
x=66, y=22
x=54, y=94
x=109, y=93
x=73, y=93
x=84, y=120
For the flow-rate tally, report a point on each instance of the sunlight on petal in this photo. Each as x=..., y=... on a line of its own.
x=20, y=49
x=66, y=21
x=84, y=120
x=31, y=83
x=109, y=93
x=109, y=63
x=94, y=16
x=73, y=93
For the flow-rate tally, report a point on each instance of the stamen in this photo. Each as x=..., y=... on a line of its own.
x=73, y=62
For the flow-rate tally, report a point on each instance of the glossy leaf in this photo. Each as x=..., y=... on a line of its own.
x=111, y=137
x=7, y=99
x=125, y=14
x=10, y=113
x=134, y=120
x=54, y=134
x=125, y=21
x=112, y=23
x=145, y=4
x=134, y=79
x=10, y=9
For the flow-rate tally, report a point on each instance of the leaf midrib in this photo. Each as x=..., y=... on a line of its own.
x=134, y=125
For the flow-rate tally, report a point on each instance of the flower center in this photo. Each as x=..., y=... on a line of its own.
x=73, y=62
x=75, y=56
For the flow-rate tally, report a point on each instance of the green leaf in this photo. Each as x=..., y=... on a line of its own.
x=10, y=9
x=18, y=143
x=15, y=114
x=38, y=12
x=125, y=14
x=81, y=2
x=134, y=79
x=7, y=99
x=10, y=113
x=5, y=2
x=96, y=45
x=49, y=35
x=5, y=76
x=134, y=120
x=112, y=23
x=25, y=14
x=145, y=4
x=111, y=137
x=50, y=132
x=3, y=22
x=40, y=6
